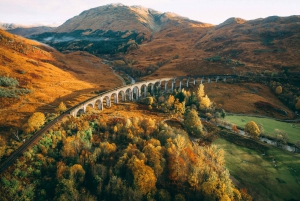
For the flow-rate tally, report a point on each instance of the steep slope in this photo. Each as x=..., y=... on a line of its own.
x=111, y=29
x=49, y=77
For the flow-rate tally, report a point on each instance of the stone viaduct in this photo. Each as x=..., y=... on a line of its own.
x=140, y=89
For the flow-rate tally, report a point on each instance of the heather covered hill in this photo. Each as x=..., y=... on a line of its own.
x=37, y=77
x=157, y=44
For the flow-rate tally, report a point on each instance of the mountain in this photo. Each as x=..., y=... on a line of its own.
x=8, y=26
x=24, y=30
x=155, y=44
x=112, y=29
x=45, y=77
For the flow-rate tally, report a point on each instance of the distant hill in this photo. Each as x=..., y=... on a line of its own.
x=8, y=26
x=24, y=30
x=156, y=44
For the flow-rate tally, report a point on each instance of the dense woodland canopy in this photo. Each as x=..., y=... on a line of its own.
x=117, y=158
x=99, y=156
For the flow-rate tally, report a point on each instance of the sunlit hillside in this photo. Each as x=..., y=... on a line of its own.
x=48, y=76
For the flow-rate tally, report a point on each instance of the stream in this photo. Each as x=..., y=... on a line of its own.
x=266, y=140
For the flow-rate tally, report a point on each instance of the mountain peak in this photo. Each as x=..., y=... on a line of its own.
x=119, y=17
x=232, y=20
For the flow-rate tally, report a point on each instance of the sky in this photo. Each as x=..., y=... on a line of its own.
x=56, y=12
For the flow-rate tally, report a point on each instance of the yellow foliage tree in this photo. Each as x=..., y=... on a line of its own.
x=77, y=173
x=192, y=123
x=170, y=101
x=252, y=128
x=278, y=90
x=144, y=177
x=62, y=107
x=179, y=107
x=154, y=157
x=35, y=121
x=204, y=101
x=200, y=91
x=72, y=146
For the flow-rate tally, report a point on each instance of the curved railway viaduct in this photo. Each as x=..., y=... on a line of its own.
x=129, y=92
x=136, y=91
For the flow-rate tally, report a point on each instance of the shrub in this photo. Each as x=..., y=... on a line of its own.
x=8, y=82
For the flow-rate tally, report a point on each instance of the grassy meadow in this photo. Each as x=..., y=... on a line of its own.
x=269, y=125
x=273, y=175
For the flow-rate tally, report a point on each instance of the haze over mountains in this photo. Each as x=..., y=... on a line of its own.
x=168, y=44
x=25, y=30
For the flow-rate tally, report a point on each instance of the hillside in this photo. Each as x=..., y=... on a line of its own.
x=45, y=77
x=112, y=29
x=29, y=31
x=233, y=47
x=159, y=44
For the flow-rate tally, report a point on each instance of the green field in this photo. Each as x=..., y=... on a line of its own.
x=258, y=173
x=269, y=125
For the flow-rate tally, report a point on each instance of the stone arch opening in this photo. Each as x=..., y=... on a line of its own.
x=144, y=90
x=99, y=104
x=128, y=94
x=80, y=112
x=106, y=101
x=135, y=93
x=114, y=98
x=121, y=96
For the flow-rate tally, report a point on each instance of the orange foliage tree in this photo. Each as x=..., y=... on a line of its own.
x=144, y=177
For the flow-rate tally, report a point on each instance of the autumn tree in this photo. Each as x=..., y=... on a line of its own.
x=154, y=157
x=144, y=177
x=203, y=100
x=177, y=165
x=61, y=107
x=77, y=173
x=192, y=123
x=170, y=101
x=35, y=121
x=252, y=128
x=281, y=137
x=278, y=90
x=179, y=107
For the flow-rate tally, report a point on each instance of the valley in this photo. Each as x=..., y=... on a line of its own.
x=111, y=105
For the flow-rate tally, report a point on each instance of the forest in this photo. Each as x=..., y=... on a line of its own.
x=122, y=155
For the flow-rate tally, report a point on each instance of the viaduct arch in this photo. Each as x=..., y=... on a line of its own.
x=135, y=91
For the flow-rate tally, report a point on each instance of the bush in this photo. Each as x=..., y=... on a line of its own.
x=8, y=82
x=13, y=93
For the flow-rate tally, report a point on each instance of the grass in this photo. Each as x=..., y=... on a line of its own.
x=269, y=125
x=258, y=173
